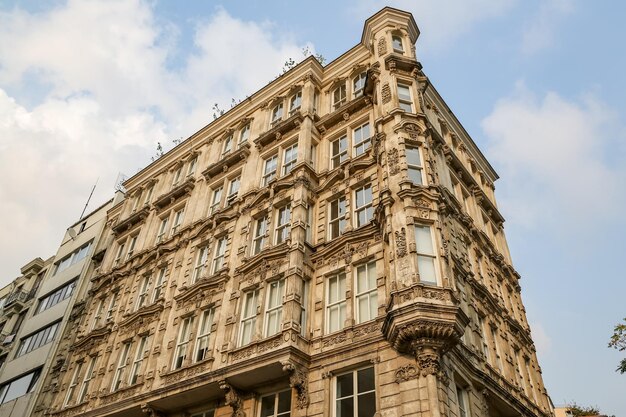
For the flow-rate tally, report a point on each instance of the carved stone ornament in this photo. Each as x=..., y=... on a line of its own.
x=386, y=93
x=429, y=362
x=401, y=242
x=382, y=47
x=406, y=373
x=233, y=399
x=298, y=380
x=392, y=160
x=412, y=130
x=149, y=411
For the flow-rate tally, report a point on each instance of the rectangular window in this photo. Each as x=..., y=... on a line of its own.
x=216, y=201
x=19, y=386
x=73, y=384
x=38, y=339
x=204, y=331
x=120, y=254
x=162, y=230
x=131, y=247
x=339, y=96
x=355, y=394
x=425, y=254
x=228, y=145
x=248, y=317
x=289, y=158
x=277, y=113
x=269, y=169
x=309, y=223
x=182, y=344
x=142, y=292
x=177, y=175
x=148, y=198
x=72, y=258
x=260, y=230
x=414, y=164
x=361, y=140
x=136, y=368
x=335, y=303
x=530, y=380
x=276, y=405
x=233, y=190
x=337, y=217
x=404, y=98
x=295, y=102
x=397, y=44
x=274, y=310
x=112, y=308
x=84, y=388
x=304, y=307
x=339, y=151
x=159, y=285
x=363, y=207
x=192, y=166
x=244, y=135
x=496, y=347
x=358, y=84
x=178, y=221
x=462, y=400
x=121, y=367
x=98, y=314
x=483, y=339
x=366, y=292
x=201, y=259
x=218, y=255
x=209, y=413
x=283, y=222
x=56, y=297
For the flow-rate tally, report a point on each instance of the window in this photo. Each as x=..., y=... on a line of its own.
x=183, y=342
x=200, y=263
x=339, y=96
x=289, y=158
x=177, y=176
x=496, y=347
x=142, y=295
x=519, y=372
x=358, y=84
x=277, y=113
x=396, y=41
x=361, y=140
x=162, y=229
x=209, y=413
x=309, y=223
x=218, y=256
x=136, y=368
x=82, y=227
x=483, y=341
x=112, y=308
x=148, y=196
x=335, y=303
x=274, y=310
x=56, y=296
x=530, y=379
x=233, y=190
x=84, y=388
x=248, y=317
x=276, y=405
x=363, y=207
x=304, y=307
x=260, y=229
x=73, y=384
x=244, y=135
x=204, y=330
x=37, y=339
x=425, y=254
x=98, y=314
x=121, y=366
x=269, y=170
x=404, y=98
x=216, y=201
x=159, y=285
x=462, y=402
x=178, y=221
x=19, y=386
x=337, y=218
x=282, y=224
x=414, y=164
x=228, y=144
x=339, y=151
x=120, y=254
x=355, y=394
x=191, y=169
x=295, y=102
x=366, y=297
x=131, y=247
x=135, y=202
x=72, y=258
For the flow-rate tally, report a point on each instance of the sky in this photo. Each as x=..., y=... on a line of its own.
x=88, y=89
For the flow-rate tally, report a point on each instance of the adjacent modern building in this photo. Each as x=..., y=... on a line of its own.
x=36, y=311
x=329, y=247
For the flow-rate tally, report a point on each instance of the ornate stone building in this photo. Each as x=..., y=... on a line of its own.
x=329, y=247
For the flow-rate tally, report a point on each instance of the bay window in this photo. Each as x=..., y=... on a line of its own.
x=426, y=256
x=335, y=303
x=274, y=309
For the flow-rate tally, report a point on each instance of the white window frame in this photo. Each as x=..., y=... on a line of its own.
x=338, y=156
x=339, y=304
x=290, y=152
x=424, y=253
x=179, y=216
x=178, y=174
x=71, y=388
x=148, y=195
x=111, y=309
x=358, y=84
x=295, y=102
x=201, y=259
x=216, y=199
x=368, y=293
x=203, y=335
x=244, y=134
x=462, y=402
x=339, y=96
x=120, y=253
x=275, y=292
x=340, y=219
x=86, y=380
x=276, y=398
x=247, y=324
x=233, y=189
x=182, y=343
x=162, y=229
x=365, y=207
x=269, y=176
x=277, y=113
x=191, y=169
x=159, y=284
x=397, y=43
x=142, y=292
x=227, y=146
x=360, y=146
x=218, y=254
x=405, y=102
x=118, y=378
x=260, y=233
x=417, y=168
x=131, y=246
x=283, y=223
x=356, y=394
x=138, y=361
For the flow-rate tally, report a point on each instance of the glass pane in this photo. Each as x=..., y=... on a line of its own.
x=413, y=156
x=332, y=289
x=426, y=268
x=373, y=305
x=367, y=405
x=365, y=380
x=267, y=406
x=284, y=402
x=345, y=386
x=363, y=309
x=345, y=408
x=423, y=240
x=415, y=175
x=404, y=92
x=361, y=278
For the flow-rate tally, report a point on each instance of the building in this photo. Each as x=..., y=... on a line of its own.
x=37, y=310
x=331, y=246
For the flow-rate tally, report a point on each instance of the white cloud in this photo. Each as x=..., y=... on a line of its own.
x=539, y=32
x=87, y=91
x=560, y=160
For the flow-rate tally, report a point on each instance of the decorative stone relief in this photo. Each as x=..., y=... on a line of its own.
x=382, y=47
x=149, y=411
x=406, y=373
x=233, y=399
x=401, y=242
x=298, y=380
x=392, y=160
x=386, y=93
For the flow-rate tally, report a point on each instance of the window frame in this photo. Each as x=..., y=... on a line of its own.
x=425, y=255
x=356, y=394
x=365, y=143
x=365, y=207
x=412, y=167
x=183, y=341
x=282, y=230
x=269, y=176
x=397, y=43
x=277, y=397
x=248, y=317
x=143, y=290
x=118, y=377
x=339, y=96
x=138, y=360
x=259, y=237
x=219, y=255
x=200, y=264
x=274, y=306
x=295, y=99
x=368, y=293
x=203, y=334
x=405, y=103
x=358, y=84
x=340, y=304
x=159, y=283
x=340, y=219
x=340, y=156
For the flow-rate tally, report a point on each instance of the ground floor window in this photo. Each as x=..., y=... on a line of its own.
x=355, y=394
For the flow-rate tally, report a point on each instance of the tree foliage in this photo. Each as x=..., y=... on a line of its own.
x=618, y=341
x=580, y=410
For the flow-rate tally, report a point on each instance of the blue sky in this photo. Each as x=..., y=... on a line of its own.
x=87, y=89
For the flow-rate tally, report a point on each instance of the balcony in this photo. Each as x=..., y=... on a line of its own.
x=16, y=302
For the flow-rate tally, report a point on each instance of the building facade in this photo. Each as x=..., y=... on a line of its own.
x=36, y=312
x=331, y=246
